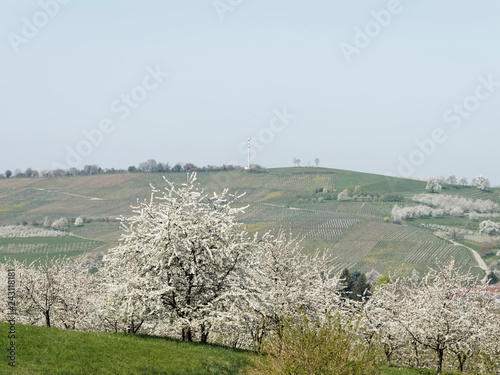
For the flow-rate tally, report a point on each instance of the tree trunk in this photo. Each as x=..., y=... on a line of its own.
x=388, y=353
x=204, y=334
x=461, y=361
x=440, y=354
x=47, y=318
x=186, y=334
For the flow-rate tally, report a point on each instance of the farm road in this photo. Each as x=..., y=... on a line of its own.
x=479, y=260
x=73, y=195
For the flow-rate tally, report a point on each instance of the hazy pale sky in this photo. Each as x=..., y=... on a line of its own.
x=399, y=87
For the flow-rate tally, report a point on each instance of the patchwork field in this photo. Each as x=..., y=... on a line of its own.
x=295, y=199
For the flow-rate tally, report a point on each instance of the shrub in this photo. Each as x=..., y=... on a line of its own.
x=313, y=347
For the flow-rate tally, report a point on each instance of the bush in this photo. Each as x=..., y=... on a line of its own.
x=312, y=347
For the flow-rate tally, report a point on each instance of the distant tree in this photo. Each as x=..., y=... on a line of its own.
x=91, y=169
x=452, y=180
x=316, y=161
x=8, y=173
x=72, y=171
x=464, y=181
x=148, y=166
x=162, y=167
x=30, y=173
x=348, y=283
x=190, y=167
x=373, y=276
x=492, y=278
x=433, y=185
x=361, y=288
x=58, y=173
x=482, y=182
x=489, y=227
x=383, y=280
x=79, y=222
x=343, y=196
x=177, y=168
x=296, y=161
x=60, y=224
x=166, y=167
x=132, y=169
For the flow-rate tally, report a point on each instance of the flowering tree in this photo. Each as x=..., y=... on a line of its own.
x=489, y=227
x=481, y=182
x=56, y=292
x=180, y=257
x=60, y=224
x=445, y=312
x=433, y=185
x=282, y=281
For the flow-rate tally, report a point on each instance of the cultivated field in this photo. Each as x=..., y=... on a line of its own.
x=354, y=233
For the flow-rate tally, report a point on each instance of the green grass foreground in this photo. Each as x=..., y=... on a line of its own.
x=54, y=351
x=412, y=371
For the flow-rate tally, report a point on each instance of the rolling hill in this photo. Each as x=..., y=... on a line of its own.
x=299, y=199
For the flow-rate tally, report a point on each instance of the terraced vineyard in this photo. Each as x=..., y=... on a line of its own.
x=354, y=233
x=33, y=248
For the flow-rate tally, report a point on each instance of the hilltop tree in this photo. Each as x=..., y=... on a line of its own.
x=91, y=169
x=148, y=166
x=180, y=257
x=433, y=185
x=482, y=182
x=464, y=181
x=452, y=180
x=316, y=161
x=8, y=173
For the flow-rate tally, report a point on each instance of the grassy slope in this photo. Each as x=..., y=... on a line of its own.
x=54, y=351
x=351, y=231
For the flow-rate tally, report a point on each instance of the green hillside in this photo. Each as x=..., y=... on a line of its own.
x=53, y=351
x=300, y=199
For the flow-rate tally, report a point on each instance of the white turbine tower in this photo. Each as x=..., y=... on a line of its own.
x=248, y=164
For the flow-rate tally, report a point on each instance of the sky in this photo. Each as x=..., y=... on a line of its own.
x=407, y=88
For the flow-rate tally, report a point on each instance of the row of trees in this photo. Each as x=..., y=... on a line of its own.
x=297, y=161
x=450, y=202
x=184, y=268
x=149, y=166
x=479, y=181
x=439, y=205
